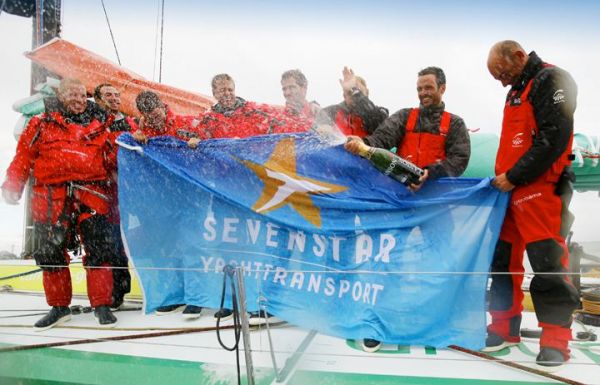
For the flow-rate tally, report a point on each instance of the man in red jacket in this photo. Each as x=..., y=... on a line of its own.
x=158, y=120
x=294, y=86
x=64, y=150
x=109, y=99
x=533, y=162
x=234, y=117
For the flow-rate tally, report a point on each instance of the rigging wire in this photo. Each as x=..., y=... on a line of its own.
x=162, y=32
x=111, y=32
x=156, y=39
x=2, y=6
x=39, y=14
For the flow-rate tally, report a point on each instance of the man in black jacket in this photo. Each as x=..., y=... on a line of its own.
x=427, y=136
x=533, y=162
x=356, y=115
x=109, y=99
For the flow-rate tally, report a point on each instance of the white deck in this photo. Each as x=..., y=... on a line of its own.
x=323, y=354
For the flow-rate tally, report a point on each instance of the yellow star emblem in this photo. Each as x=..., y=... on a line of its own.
x=284, y=186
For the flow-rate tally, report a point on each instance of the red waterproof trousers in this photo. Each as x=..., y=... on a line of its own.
x=533, y=224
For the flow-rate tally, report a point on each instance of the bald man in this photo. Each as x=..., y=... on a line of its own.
x=64, y=150
x=533, y=162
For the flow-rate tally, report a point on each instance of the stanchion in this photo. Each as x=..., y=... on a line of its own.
x=239, y=272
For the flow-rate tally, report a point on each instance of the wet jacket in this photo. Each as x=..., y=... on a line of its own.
x=57, y=147
x=117, y=125
x=457, y=145
x=295, y=120
x=543, y=146
x=308, y=111
x=120, y=124
x=180, y=126
x=424, y=148
x=246, y=119
x=360, y=120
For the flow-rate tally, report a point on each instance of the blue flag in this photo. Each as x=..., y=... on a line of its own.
x=326, y=241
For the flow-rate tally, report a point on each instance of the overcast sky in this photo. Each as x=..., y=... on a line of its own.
x=386, y=42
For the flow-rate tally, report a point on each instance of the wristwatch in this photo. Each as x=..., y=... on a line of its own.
x=355, y=91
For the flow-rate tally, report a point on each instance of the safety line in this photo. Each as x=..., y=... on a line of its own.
x=115, y=338
x=332, y=272
x=515, y=365
x=20, y=274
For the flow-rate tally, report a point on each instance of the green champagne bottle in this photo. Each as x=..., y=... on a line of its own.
x=391, y=164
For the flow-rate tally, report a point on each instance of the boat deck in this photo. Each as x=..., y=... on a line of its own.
x=150, y=349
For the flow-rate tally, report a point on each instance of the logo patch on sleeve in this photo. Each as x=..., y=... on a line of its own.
x=559, y=96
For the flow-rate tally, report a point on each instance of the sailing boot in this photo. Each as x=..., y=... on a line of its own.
x=494, y=343
x=105, y=317
x=192, y=312
x=56, y=316
x=370, y=345
x=169, y=309
x=259, y=318
x=224, y=314
x=550, y=359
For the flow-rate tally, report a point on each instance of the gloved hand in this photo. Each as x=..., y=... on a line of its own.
x=139, y=137
x=193, y=142
x=11, y=197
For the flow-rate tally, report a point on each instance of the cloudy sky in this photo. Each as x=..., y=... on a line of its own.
x=386, y=42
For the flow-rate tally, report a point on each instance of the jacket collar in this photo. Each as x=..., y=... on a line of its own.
x=228, y=111
x=432, y=111
x=92, y=112
x=532, y=67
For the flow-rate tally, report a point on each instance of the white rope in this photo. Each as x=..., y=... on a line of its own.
x=138, y=149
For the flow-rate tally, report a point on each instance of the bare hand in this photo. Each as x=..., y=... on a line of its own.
x=354, y=144
x=139, y=136
x=415, y=187
x=11, y=197
x=502, y=183
x=349, y=80
x=193, y=142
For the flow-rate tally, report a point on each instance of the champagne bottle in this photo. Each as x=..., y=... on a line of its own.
x=391, y=164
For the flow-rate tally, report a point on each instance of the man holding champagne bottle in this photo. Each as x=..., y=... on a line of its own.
x=433, y=141
x=428, y=136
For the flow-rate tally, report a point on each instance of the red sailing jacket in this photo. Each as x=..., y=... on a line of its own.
x=249, y=119
x=55, y=151
x=424, y=148
x=309, y=111
x=293, y=120
x=350, y=123
x=180, y=126
x=288, y=121
x=519, y=129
